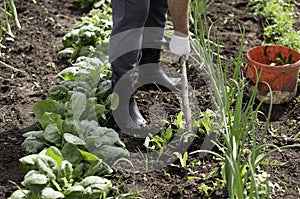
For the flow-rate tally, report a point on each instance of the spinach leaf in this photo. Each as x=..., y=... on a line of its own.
x=58, y=92
x=35, y=181
x=51, y=118
x=33, y=145
x=73, y=139
x=50, y=106
x=53, y=135
x=64, y=174
x=78, y=104
x=50, y=193
x=71, y=153
x=20, y=194
x=54, y=153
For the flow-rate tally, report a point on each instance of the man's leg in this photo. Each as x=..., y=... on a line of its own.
x=153, y=37
x=154, y=31
x=129, y=17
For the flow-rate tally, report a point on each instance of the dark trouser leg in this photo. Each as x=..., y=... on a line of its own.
x=152, y=41
x=154, y=31
x=129, y=18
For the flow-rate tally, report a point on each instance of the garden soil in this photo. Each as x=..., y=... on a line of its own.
x=33, y=54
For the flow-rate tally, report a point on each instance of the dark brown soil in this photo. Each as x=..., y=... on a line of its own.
x=36, y=45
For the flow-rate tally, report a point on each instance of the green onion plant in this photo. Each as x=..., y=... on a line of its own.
x=8, y=12
x=242, y=147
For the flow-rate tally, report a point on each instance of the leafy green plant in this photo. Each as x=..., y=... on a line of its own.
x=72, y=113
x=56, y=174
x=78, y=147
x=283, y=60
x=154, y=142
x=212, y=182
x=278, y=19
x=182, y=159
x=205, y=122
x=89, y=36
x=62, y=125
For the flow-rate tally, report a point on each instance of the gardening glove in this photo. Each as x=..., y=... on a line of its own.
x=180, y=46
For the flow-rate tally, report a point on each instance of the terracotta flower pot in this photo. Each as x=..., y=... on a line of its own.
x=281, y=77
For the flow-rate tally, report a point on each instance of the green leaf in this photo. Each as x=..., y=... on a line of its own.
x=86, y=51
x=100, y=110
x=85, y=128
x=93, y=168
x=70, y=38
x=45, y=168
x=50, y=193
x=50, y=106
x=52, y=134
x=73, y=139
x=71, y=73
x=103, y=136
x=93, y=180
x=74, y=191
x=34, y=141
x=88, y=156
x=78, y=104
x=28, y=162
x=66, y=169
x=66, y=52
x=32, y=145
x=50, y=162
x=69, y=126
x=58, y=92
x=64, y=174
x=55, y=153
x=104, y=89
x=78, y=171
x=36, y=134
x=51, y=118
x=29, y=159
x=108, y=152
x=177, y=122
x=113, y=101
x=35, y=178
x=20, y=194
x=95, y=186
x=71, y=153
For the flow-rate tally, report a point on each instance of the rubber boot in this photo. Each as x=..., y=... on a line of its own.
x=151, y=69
x=129, y=117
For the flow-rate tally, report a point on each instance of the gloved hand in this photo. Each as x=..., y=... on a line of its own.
x=180, y=46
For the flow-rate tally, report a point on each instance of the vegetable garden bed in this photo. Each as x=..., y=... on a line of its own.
x=35, y=53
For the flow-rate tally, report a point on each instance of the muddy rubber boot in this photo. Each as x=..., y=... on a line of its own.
x=153, y=73
x=135, y=113
x=129, y=115
x=151, y=69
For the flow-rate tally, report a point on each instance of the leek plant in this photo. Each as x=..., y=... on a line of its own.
x=9, y=12
x=239, y=127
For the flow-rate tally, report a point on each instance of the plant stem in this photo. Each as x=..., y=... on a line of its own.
x=11, y=67
x=185, y=95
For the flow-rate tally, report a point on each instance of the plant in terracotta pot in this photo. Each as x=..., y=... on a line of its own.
x=276, y=69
